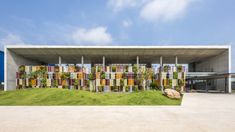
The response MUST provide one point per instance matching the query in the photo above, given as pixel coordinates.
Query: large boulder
(171, 93)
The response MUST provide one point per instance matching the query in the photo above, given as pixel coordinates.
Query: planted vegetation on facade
(116, 78)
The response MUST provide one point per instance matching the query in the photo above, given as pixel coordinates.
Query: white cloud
(118, 5)
(154, 10)
(164, 10)
(11, 39)
(126, 23)
(97, 35)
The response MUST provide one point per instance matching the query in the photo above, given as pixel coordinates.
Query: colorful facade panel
(120, 76)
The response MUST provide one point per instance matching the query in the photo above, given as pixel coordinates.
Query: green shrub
(93, 70)
(115, 88)
(135, 68)
(75, 82)
(91, 76)
(22, 68)
(175, 75)
(180, 82)
(179, 68)
(166, 68)
(98, 69)
(100, 88)
(170, 82)
(124, 76)
(43, 82)
(126, 68)
(177, 88)
(113, 68)
(122, 82)
(127, 88)
(22, 76)
(66, 87)
(154, 85)
(102, 75)
(56, 83)
(65, 75)
(136, 88)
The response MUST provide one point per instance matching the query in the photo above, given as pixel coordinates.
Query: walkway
(199, 112)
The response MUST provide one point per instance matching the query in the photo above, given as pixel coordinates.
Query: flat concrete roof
(117, 54)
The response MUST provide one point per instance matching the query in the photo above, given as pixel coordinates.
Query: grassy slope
(54, 96)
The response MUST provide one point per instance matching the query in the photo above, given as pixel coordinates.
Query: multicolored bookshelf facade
(118, 68)
(119, 78)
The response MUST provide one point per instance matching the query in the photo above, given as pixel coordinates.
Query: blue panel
(51, 64)
(1, 66)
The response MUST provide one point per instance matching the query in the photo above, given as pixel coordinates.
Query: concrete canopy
(118, 54)
(200, 58)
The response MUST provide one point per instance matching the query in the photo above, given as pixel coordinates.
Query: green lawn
(55, 96)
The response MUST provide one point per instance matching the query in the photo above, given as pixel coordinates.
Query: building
(203, 62)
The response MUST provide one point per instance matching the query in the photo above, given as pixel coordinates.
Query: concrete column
(226, 85)
(191, 85)
(82, 61)
(59, 60)
(103, 61)
(137, 63)
(206, 85)
(82, 80)
(161, 64)
(229, 80)
(229, 69)
(176, 60)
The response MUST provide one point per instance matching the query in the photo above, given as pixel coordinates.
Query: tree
(32, 74)
(56, 83)
(102, 75)
(149, 75)
(91, 76)
(135, 69)
(143, 78)
(41, 75)
(75, 83)
(91, 80)
(65, 75)
(122, 84)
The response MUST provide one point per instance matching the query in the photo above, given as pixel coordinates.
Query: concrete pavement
(199, 112)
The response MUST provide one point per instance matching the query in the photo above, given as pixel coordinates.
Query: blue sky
(118, 22)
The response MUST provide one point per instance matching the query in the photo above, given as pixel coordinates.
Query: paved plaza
(198, 112)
